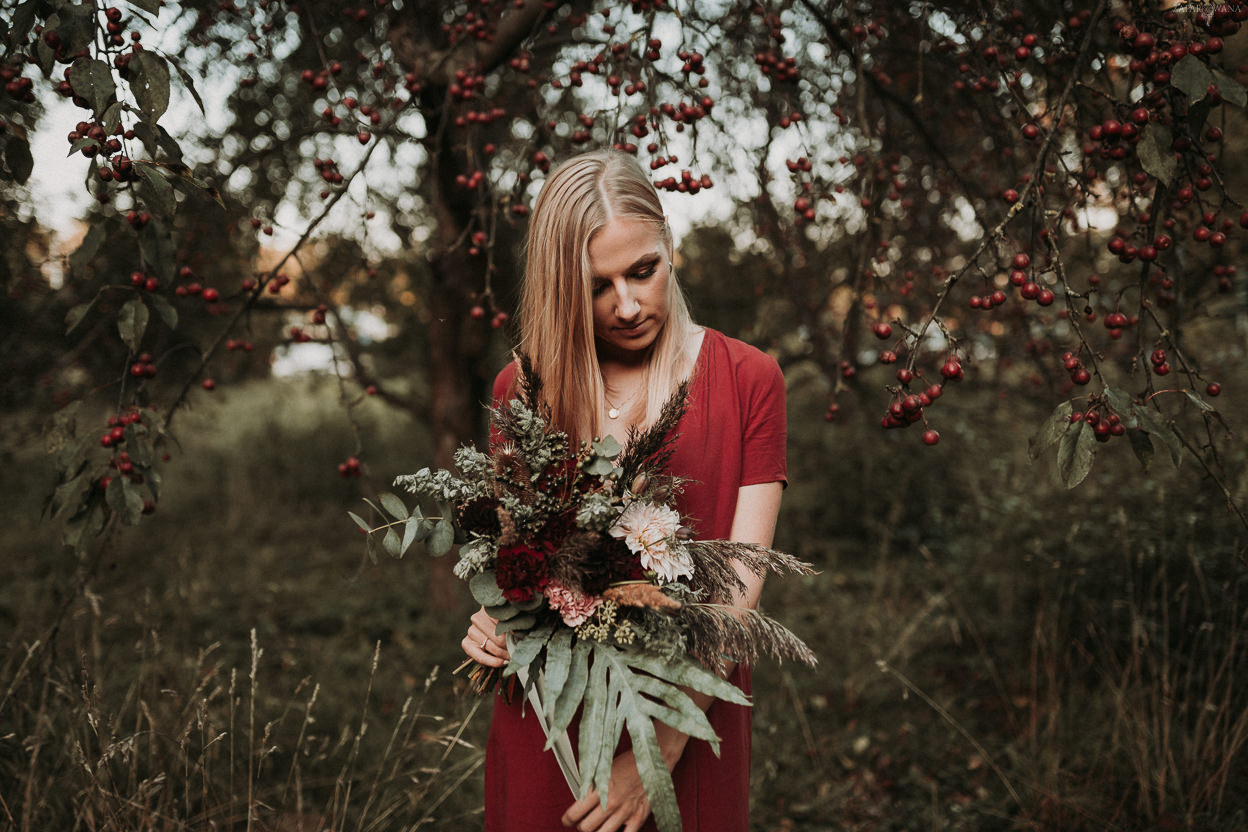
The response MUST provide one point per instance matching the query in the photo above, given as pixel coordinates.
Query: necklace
(613, 411)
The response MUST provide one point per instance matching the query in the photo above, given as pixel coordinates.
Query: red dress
(732, 434)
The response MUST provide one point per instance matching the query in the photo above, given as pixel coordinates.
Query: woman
(608, 330)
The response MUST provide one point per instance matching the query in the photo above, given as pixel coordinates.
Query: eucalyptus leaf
(394, 505)
(442, 538)
(17, 157)
(132, 322)
(484, 588)
(1074, 454)
(1156, 153)
(523, 621)
(1053, 427)
(1192, 77)
(92, 79)
(414, 530)
(360, 521)
(608, 446)
(391, 542)
(600, 467)
(149, 81)
(1143, 447)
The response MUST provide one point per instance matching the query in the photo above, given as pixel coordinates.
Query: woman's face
(629, 263)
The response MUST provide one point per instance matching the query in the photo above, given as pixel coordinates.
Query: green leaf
(689, 673)
(1192, 77)
(111, 119)
(391, 542)
(1232, 91)
(61, 427)
(593, 730)
(558, 666)
(1074, 454)
(395, 506)
(153, 482)
(484, 588)
(1198, 401)
(608, 446)
(89, 247)
(76, 27)
(442, 538)
(23, 19)
(1157, 154)
(600, 467)
(91, 79)
(132, 322)
(149, 81)
(565, 706)
(360, 521)
(69, 493)
(1143, 447)
(1121, 404)
(1151, 423)
(1197, 115)
(17, 157)
(414, 530)
(75, 315)
(79, 144)
(187, 82)
(654, 774)
(149, 6)
(125, 500)
(520, 622)
(523, 652)
(165, 309)
(158, 191)
(1053, 427)
(139, 446)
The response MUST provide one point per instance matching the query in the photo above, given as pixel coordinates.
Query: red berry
(208, 384)
(882, 330)
(1081, 376)
(1010, 195)
(930, 437)
(1021, 261)
(1214, 388)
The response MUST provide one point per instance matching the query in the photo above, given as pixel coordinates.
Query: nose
(626, 304)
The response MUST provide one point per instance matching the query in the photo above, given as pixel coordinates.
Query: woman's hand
(627, 805)
(482, 643)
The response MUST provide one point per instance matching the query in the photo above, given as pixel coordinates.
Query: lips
(633, 331)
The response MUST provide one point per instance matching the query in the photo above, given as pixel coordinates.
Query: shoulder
(750, 365)
(504, 379)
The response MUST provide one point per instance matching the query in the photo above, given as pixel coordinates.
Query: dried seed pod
(641, 594)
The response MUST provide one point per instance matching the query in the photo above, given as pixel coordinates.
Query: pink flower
(573, 607)
(647, 530)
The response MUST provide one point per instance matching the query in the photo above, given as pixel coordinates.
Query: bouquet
(609, 605)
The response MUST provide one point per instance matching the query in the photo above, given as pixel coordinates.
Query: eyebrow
(640, 261)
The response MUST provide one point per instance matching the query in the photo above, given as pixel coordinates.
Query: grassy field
(995, 652)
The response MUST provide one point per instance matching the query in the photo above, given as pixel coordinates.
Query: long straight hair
(556, 301)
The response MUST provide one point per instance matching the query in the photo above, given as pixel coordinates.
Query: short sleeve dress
(732, 434)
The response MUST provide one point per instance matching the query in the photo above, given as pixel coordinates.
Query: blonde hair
(556, 303)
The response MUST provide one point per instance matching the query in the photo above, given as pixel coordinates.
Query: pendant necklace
(613, 411)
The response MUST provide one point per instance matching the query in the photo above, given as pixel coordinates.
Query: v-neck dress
(733, 434)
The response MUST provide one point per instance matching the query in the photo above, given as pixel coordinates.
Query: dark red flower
(521, 572)
(478, 515)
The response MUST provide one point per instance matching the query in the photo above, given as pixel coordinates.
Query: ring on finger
(484, 641)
